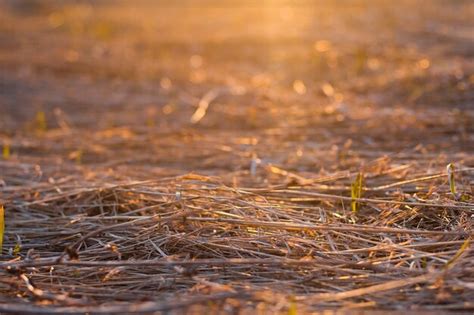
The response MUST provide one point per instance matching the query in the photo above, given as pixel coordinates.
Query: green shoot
(452, 184)
(424, 262)
(458, 254)
(356, 192)
(292, 309)
(41, 124)
(79, 157)
(16, 249)
(6, 152)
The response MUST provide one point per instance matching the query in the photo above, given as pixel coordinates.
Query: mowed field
(236, 157)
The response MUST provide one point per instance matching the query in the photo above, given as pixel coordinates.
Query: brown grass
(211, 171)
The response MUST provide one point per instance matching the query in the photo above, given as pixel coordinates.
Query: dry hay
(197, 239)
(143, 185)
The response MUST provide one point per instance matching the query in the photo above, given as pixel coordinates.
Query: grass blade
(452, 184)
(356, 192)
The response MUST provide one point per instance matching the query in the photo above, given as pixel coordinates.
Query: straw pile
(308, 176)
(174, 242)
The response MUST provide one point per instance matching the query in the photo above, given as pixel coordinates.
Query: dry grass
(136, 184)
(195, 236)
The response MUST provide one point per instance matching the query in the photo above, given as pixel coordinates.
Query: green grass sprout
(452, 184)
(292, 309)
(458, 254)
(41, 124)
(6, 151)
(356, 192)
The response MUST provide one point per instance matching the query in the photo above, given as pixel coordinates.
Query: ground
(236, 156)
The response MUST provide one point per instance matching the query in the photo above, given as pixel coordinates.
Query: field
(236, 157)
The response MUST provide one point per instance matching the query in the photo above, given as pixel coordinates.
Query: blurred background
(303, 79)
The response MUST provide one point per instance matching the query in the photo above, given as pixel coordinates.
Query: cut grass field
(236, 157)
